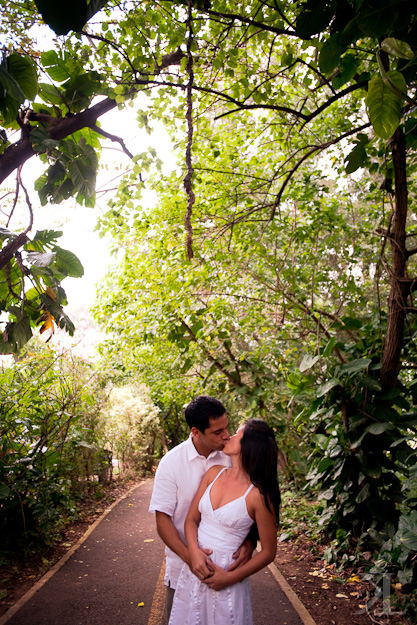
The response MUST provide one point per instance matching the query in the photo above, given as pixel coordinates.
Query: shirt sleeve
(164, 495)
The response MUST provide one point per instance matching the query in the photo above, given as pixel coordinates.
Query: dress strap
(249, 489)
(218, 475)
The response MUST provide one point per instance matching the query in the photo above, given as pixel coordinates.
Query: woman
(226, 505)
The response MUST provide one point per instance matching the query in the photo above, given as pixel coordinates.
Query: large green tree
(302, 63)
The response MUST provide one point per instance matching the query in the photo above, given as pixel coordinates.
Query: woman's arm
(267, 529)
(200, 563)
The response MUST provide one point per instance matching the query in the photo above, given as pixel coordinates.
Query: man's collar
(193, 453)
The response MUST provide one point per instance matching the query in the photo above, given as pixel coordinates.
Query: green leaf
(348, 67)
(407, 531)
(67, 263)
(363, 494)
(330, 54)
(21, 332)
(356, 158)
(325, 388)
(371, 383)
(397, 48)
(372, 467)
(51, 93)
(23, 70)
(42, 239)
(379, 428)
(5, 491)
(376, 19)
(355, 365)
(384, 106)
(42, 141)
(83, 177)
(307, 362)
(324, 464)
(11, 86)
(63, 17)
(313, 19)
(6, 348)
(56, 66)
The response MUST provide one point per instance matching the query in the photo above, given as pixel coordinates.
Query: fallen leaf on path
(149, 540)
(352, 579)
(342, 596)
(141, 604)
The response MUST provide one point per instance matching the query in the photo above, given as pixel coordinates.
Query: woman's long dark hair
(259, 457)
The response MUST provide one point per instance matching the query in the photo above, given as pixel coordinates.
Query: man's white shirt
(176, 482)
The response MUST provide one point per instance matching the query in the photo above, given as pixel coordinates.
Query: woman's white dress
(223, 530)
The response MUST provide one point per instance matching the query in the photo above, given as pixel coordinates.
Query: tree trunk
(400, 288)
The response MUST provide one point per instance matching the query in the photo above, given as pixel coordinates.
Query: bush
(50, 406)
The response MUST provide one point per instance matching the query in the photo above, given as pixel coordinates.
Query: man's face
(213, 438)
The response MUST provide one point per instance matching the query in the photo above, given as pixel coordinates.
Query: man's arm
(169, 534)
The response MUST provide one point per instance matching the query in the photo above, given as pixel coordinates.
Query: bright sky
(78, 222)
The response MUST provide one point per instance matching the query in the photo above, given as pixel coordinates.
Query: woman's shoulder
(255, 498)
(214, 471)
(212, 474)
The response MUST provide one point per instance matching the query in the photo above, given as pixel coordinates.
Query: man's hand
(242, 555)
(219, 579)
(200, 564)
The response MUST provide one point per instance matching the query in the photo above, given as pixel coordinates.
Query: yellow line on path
(157, 614)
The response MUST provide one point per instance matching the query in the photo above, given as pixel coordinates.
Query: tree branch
(208, 355)
(9, 250)
(315, 148)
(119, 140)
(251, 22)
(22, 150)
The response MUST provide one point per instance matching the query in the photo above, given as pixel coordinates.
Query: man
(177, 480)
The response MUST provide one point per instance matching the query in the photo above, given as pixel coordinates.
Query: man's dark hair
(201, 409)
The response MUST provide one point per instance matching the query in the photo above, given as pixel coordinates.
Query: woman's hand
(200, 563)
(219, 579)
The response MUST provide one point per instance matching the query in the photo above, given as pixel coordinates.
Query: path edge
(292, 597)
(47, 576)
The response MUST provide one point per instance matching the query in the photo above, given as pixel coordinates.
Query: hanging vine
(188, 178)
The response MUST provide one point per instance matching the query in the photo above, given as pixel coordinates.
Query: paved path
(115, 577)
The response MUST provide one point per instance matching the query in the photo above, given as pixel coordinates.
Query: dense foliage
(59, 434)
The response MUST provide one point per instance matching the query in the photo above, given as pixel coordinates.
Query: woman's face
(232, 446)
